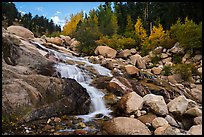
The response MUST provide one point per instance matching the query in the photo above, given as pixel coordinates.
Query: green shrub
(188, 34)
(116, 41)
(156, 59)
(185, 70)
(176, 59)
(166, 71)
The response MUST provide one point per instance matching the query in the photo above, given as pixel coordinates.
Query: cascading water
(84, 79)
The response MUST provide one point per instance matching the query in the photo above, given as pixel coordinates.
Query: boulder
(164, 55)
(21, 31)
(176, 49)
(173, 131)
(200, 70)
(124, 53)
(138, 61)
(130, 102)
(156, 70)
(159, 122)
(169, 59)
(195, 112)
(148, 118)
(56, 40)
(156, 103)
(124, 126)
(185, 57)
(178, 105)
(195, 130)
(132, 70)
(171, 121)
(66, 39)
(105, 51)
(197, 58)
(197, 94)
(158, 50)
(74, 44)
(160, 130)
(119, 87)
(197, 120)
(133, 51)
(110, 98)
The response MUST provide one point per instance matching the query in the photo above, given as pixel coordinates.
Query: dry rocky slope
(142, 99)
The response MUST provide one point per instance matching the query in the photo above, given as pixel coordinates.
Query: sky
(57, 11)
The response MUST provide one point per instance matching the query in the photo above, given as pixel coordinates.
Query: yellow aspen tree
(140, 31)
(71, 25)
(157, 35)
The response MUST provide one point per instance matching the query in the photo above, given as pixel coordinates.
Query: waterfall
(83, 78)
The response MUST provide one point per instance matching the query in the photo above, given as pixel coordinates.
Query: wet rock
(178, 105)
(21, 31)
(195, 130)
(110, 98)
(156, 103)
(105, 51)
(130, 102)
(159, 122)
(138, 61)
(125, 126)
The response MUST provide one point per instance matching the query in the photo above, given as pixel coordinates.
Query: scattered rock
(171, 121)
(198, 120)
(125, 126)
(148, 118)
(178, 105)
(159, 122)
(130, 102)
(156, 70)
(194, 112)
(156, 103)
(195, 130)
(105, 51)
(138, 61)
(132, 70)
(124, 53)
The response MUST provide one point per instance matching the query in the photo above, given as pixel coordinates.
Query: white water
(83, 78)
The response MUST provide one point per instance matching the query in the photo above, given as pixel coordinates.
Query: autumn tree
(70, 27)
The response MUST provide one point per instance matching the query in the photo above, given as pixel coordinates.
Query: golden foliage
(71, 25)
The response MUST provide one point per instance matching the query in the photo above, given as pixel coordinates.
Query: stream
(84, 78)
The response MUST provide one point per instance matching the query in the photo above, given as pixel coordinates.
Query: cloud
(22, 12)
(57, 12)
(39, 9)
(58, 21)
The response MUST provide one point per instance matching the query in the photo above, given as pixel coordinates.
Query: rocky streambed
(49, 89)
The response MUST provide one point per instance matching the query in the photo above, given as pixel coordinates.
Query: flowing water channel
(83, 77)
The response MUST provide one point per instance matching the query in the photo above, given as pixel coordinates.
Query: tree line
(39, 25)
(141, 25)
